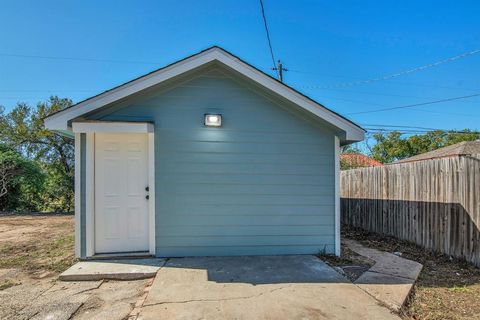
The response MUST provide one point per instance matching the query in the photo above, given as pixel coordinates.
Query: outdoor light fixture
(213, 120)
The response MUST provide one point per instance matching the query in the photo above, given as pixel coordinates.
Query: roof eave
(60, 120)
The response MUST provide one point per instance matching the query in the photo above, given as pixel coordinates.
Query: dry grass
(446, 289)
(7, 283)
(36, 242)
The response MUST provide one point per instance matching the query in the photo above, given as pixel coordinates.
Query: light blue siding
(263, 183)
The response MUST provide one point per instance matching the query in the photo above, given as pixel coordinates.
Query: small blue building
(207, 156)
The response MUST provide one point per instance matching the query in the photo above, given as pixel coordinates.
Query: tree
(350, 148)
(9, 170)
(392, 146)
(21, 181)
(23, 129)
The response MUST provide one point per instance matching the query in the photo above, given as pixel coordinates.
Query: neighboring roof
(462, 148)
(359, 160)
(60, 120)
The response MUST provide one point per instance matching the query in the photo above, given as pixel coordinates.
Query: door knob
(147, 197)
(147, 189)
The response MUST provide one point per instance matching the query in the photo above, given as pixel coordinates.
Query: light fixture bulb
(213, 120)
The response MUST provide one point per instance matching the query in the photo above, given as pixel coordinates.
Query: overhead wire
(416, 104)
(407, 131)
(401, 73)
(75, 58)
(268, 37)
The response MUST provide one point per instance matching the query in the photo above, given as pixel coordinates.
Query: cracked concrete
(59, 301)
(56, 300)
(218, 300)
(17, 298)
(113, 300)
(262, 287)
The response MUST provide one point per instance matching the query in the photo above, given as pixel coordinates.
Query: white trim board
(337, 196)
(90, 189)
(78, 186)
(60, 120)
(151, 185)
(90, 194)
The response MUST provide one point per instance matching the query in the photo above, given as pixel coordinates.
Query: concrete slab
(114, 300)
(59, 302)
(268, 287)
(397, 266)
(390, 290)
(57, 311)
(386, 262)
(19, 297)
(125, 269)
(390, 279)
(258, 269)
(93, 300)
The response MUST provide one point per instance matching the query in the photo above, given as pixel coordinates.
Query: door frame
(89, 129)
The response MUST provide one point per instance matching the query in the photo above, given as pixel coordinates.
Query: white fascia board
(60, 120)
(112, 127)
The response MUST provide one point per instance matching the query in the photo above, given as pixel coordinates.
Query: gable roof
(60, 120)
(460, 149)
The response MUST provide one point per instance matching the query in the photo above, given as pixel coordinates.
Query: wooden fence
(433, 203)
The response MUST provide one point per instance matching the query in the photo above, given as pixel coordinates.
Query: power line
(389, 94)
(284, 69)
(417, 104)
(74, 58)
(397, 126)
(156, 63)
(268, 37)
(401, 73)
(446, 113)
(48, 91)
(404, 128)
(275, 68)
(352, 77)
(412, 108)
(419, 130)
(396, 130)
(54, 92)
(396, 83)
(372, 130)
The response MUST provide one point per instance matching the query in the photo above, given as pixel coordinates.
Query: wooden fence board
(433, 203)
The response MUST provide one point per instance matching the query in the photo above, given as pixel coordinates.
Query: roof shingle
(462, 148)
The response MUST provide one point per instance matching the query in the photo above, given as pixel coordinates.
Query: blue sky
(324, 43)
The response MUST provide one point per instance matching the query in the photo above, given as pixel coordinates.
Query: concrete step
(119, 269)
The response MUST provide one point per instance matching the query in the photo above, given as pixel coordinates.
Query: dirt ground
(446, 288)
(37, 243)
(34, 250)
(349, 264)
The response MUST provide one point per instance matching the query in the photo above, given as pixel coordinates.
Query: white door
(121, 204)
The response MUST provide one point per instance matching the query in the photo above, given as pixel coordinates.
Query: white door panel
(121, 209)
